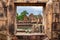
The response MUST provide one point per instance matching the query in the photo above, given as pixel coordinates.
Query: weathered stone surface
(2, 15)
(48, 18)
(2, 34)
(55, 0)
(21, 1)
(56, 7)
(7, 15)
(11, 15)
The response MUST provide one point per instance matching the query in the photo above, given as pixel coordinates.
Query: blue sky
(30, 9)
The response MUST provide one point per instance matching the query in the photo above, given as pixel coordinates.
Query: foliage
(21, 16)
(24, 13)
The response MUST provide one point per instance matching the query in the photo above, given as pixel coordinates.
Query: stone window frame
(29, 4)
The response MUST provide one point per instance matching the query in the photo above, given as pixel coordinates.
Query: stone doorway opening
(28, 23)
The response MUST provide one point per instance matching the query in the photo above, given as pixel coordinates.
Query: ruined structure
(7, 19)
(51, 17)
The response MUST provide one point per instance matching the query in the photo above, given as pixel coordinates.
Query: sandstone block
(55, 0)
(56, 7)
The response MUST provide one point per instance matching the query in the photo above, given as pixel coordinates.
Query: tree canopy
(21, 16)
(24, 13)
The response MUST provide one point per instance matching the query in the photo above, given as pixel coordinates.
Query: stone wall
(7, 15)
(48, 18)
(56, 19)
(52, 13)
(11, 15)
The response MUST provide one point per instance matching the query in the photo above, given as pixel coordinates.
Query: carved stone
(55, 0)
(56, 7)
(7, 15)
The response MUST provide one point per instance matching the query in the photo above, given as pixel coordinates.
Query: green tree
(24, 13)
(21, 16)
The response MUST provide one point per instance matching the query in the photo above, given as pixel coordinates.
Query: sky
(30, 9)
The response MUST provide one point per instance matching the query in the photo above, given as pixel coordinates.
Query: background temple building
(51, 17)
(29, 22)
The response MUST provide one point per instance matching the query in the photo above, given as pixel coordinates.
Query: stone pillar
(48, 16)
(56, 18)
(11, 16)
(52, 8)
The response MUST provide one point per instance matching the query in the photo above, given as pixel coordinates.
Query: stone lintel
(56, 0)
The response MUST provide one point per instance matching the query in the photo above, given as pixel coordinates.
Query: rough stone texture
(55, 7)
(55, 0)
(56, 19)
(48, 18)
(11, 15)
(3, 35)
(52, 17)
(2, 15)
(31, 1)
(7, 16)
